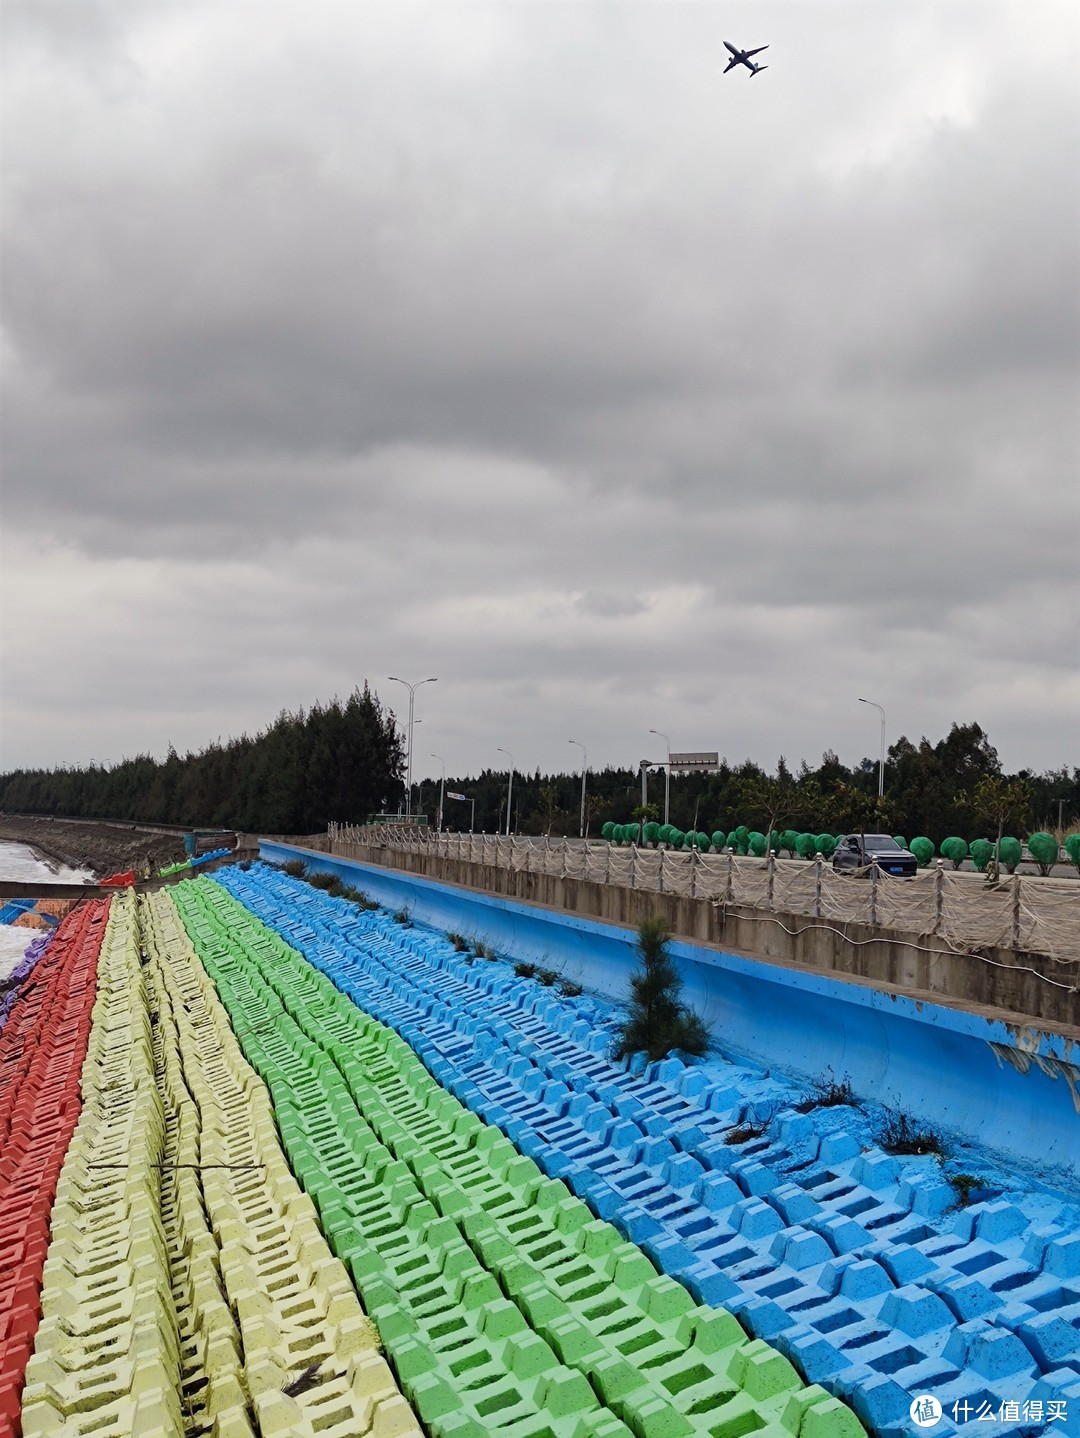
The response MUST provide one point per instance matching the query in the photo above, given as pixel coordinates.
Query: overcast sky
(516, 345)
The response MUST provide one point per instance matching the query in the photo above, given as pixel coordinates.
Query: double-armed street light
(881, 764)
(584, 772)
(510, 785)
(667, 772)
(412, 688)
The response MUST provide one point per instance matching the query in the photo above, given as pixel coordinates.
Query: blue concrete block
(836, 1147)
(753, 1177)
(876, 1171)
(755, 1219)
(819, 1359)
(623, 1136)
(718, 1155)
(799, 1248)
(903, 1263)
(652, 1151)
(707, 1284)
(669, 1252)
(915, 1311)
(1062, 1256)
(638, 1224)
(723, 1098)
(843, 1235)
(692, 1083)
(765, 1318)
(1062, 1388)
(993, 1353)
(717, 1192)
(1000, 1220)
(794, 1203)
(967, 1297)
(925, 1195)
(1051, 1339)
(883, 1405)
(682, 1172)
(862, 1280)
(669, 1070)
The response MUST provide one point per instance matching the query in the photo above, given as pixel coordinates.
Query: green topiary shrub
(982, 851)
(1044, 849)
(955, 850)
(826, 844)
(788, 841)
(678, 838)
(1072, 848)
(1011, 851)
(758, 844)
(923, 849)
(657, 1022)
(702, 842)
(652, 832)
(719, 839)
(805, 845)
(607, 830)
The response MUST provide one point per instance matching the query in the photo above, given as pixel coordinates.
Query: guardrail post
(771, 865)
(607, 866)
(1015, 938)
(633, 866)
(585, 862)
(729, 887)
(817, 884)
(693, 873)
(661, 871)
(874, 874)
(562, 862)
(939, 895)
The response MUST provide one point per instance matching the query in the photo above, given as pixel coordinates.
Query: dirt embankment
(104, 848)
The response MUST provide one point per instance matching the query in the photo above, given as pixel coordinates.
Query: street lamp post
(667, 773)
(584, 771)
(412, 688)
(510, 785)
(442, 788)
(881, 765)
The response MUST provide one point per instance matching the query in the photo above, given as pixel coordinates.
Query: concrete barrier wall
(1023, 987)
(1014, 1088)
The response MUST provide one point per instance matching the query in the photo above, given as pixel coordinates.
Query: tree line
(292, 778)
(954, 787)
(345, 762)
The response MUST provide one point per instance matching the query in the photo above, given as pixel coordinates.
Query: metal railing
(964, 911)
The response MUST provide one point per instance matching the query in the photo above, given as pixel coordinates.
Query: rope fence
(963, 911)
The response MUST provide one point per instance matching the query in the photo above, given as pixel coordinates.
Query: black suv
(859, 851)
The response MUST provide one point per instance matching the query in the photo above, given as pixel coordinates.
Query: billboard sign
(699, 762)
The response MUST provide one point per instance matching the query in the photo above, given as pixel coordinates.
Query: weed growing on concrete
(827, 1093)
(750, 1126)
(323, 880)
(901, 1134)
(569, 989)
(525, 971)
(546, 977)
(964, 1183)
(459, 942)
(295, 868)
(403, 917)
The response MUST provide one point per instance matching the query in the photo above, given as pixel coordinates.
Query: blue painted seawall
(1012, 1089)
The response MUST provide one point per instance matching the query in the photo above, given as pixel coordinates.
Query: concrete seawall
(1010, 1085)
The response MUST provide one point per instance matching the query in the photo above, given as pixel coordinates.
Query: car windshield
(881, 841)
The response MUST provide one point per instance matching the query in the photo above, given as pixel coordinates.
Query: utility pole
(510, 785)
(412, 688)
(584, 771)
(881, 765)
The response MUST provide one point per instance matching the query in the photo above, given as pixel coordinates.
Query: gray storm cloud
(512, 344)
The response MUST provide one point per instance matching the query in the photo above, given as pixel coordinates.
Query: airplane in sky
(742, 57)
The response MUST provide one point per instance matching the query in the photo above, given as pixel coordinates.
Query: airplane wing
(758, 50)
(731, 47)
(730, 65)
